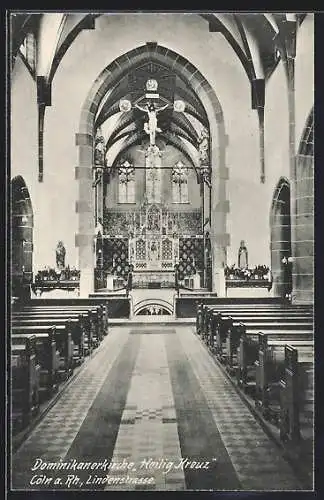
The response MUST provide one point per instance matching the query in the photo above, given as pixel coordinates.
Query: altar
(153, 244)
(151, 239)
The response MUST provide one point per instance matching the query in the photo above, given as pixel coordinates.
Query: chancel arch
(21, 237)
(214, 171)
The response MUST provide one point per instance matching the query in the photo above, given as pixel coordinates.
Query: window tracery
(179, 176)
(126, 182)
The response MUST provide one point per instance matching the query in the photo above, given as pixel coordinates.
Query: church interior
(162, 251)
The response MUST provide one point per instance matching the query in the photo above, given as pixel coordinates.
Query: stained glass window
(179, 175)
(126, 183)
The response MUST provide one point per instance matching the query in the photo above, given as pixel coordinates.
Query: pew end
(25, 377)
(297, 395)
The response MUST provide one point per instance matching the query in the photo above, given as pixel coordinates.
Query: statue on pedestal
(242, 256)
(60, 255)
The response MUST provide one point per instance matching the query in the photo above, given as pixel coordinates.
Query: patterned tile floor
(151, 410)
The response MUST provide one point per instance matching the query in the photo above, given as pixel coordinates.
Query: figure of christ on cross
(151, 126)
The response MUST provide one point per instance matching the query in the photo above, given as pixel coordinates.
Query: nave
(151, 394)
(161, 177)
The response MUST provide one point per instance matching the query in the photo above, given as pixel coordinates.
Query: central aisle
(150, 411)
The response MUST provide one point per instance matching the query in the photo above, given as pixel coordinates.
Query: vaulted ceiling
(257, 39)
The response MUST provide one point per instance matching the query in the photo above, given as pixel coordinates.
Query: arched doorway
(21, 239)
(280, 223)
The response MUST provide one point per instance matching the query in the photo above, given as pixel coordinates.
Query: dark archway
(21, 239)
(280, 224)
(153, 307)
(153, 310)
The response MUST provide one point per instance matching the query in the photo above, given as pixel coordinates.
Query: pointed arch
(22, 223)
(104, 83)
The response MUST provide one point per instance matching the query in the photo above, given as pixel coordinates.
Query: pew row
(47, 357)
(257, 352)
(63, 342)
(97, 318)
(88, 327)
(186, 306)
(25, 382)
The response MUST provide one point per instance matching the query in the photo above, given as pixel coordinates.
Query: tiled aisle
(148, 429)
(149, 396)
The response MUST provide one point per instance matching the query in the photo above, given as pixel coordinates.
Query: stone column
(289, 36)
(100, 197)
(84, 239)
(303, 248)
(220, 239)
(205, 199)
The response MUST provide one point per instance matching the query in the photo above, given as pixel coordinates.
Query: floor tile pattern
(148, 430)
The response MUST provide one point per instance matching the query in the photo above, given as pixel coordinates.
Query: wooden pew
(270, 367)
(95, 314)
(186, 304)
(115, 306)
(249, 351)
(296, 393)
(46, 356)
(63, 342)
(204, 312)
(96, 321)
(225, 338)
(71, 324)
(252, 328)
(77, 323)
(24, 382)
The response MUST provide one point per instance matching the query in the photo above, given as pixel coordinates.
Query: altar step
(156, 320)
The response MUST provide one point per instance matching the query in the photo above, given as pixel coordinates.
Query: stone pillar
(220, 239)
(303, 277)
(84, 239)
(258, 101)
(292, 155)
(100, 197)
(44, 98)
(288, 39)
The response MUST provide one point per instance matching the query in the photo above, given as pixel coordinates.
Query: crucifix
(152, 103)
(151, 98)
(151, 126)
